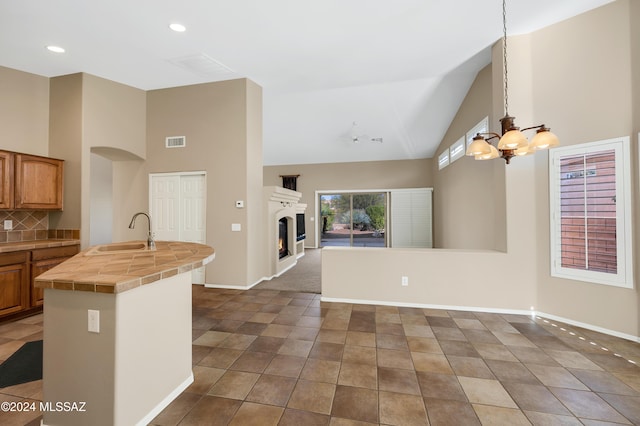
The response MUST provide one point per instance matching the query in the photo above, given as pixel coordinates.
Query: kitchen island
(117, 332)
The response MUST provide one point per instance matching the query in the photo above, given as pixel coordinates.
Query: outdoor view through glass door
(353, 219)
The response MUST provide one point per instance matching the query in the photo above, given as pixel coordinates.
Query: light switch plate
(8, 225)
(236, 227)
(240, 204)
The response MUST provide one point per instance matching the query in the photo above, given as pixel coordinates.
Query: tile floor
(263, 357)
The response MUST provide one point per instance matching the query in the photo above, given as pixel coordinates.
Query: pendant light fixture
(512, 142)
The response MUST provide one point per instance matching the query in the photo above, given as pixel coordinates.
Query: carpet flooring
(304, 277)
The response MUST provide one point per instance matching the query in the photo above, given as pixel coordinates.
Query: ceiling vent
(206, 66)
(176, 142)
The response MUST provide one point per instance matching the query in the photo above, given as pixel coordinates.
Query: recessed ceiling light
(55, 49)
(179, 28)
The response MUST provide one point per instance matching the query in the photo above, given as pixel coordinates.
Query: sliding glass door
(353, 219)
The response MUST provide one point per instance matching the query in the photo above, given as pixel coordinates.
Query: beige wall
(24, 112)
(114, 126)
(583, 88)
(88, 114)
(468, 209)
(439, 278)
(477, 279)
(349, 176)
(220, 122)
(256, 235)
(223, 124)
(65, 142)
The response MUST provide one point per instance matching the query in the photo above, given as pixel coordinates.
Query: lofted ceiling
(398, 69)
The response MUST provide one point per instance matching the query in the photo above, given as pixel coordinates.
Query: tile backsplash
(30, 226)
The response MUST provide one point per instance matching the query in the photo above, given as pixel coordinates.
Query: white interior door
(178, 209)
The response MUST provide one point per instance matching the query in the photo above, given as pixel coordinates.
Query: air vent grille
(176, 142)
(205, 66)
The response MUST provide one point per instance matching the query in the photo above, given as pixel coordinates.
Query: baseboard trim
(249, 286)
(590, 327)
(430, 306)
(231, 287)
(166, 401)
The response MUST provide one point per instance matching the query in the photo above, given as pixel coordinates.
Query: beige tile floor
(269, 357)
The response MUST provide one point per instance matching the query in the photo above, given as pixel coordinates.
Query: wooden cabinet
(44, 259)
(18, 271)
(38, 182)
(14, 283)
(6, 180)
(30, 182)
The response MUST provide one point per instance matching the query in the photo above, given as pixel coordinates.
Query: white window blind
(590, 216)
(443, 160)
(411, 217)
(456, 150)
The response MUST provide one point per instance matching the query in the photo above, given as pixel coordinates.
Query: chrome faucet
(151, 245)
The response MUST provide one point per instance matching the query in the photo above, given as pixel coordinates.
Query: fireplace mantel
(282, 195)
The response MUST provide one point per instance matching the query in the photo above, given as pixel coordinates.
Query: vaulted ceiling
(398, 69)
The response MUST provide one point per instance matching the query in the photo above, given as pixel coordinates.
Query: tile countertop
(118, 271)
(36, 244)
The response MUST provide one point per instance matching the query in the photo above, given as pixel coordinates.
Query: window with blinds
(590, 217)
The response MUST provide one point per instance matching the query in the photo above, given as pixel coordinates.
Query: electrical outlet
(93, 321)
(405, 281)
(8, 225)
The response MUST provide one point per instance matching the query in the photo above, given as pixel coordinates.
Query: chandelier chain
(504, 57)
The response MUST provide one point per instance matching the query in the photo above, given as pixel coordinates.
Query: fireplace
(283, 243)
(283, 238)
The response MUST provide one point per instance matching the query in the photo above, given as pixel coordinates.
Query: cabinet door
(6, 180)
(38, 182)
(37, 268)
(13, 289)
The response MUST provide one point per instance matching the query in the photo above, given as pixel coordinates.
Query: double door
(178, 209)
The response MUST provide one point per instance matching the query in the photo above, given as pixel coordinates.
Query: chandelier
(512, 142)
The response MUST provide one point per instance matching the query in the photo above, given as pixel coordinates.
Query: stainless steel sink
(118, 248)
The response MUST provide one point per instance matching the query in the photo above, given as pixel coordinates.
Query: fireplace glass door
(283, 238)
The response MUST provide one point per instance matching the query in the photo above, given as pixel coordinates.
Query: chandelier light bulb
(493, 154)
(544, 139)
(479, 146)
(513, 139)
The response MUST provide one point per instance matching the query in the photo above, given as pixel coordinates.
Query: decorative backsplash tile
(64, 234)
(30, 226)
(26, 220)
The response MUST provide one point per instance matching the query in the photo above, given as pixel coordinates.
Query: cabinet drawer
(53, 252)
(14, 258)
